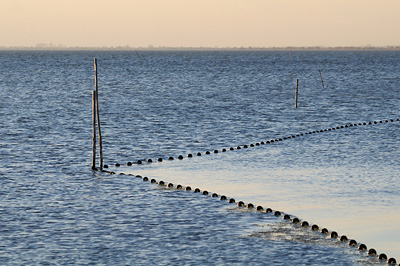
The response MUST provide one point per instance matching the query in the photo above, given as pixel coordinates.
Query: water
(54, 210)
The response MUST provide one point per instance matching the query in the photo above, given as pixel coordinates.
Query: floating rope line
(190, 155)
(294, 220)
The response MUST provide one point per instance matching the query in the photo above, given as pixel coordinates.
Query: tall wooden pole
(297, 89)
(94, 130)
(98, 116)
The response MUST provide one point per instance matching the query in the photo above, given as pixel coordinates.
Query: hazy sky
(195, 23)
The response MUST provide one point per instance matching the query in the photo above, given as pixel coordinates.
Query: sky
(195, 23)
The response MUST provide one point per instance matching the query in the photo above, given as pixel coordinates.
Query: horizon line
(151, 47)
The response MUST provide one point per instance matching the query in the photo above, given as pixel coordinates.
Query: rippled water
(54, 210)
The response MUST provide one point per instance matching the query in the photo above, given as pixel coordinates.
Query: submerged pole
(297, 89)
(94, 130)
(98, 115)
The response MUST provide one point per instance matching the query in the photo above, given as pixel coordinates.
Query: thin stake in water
(98, 115)
(322, 80)
(94, 130)
(297, 89)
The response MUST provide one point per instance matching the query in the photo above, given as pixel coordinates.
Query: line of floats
(241, 204)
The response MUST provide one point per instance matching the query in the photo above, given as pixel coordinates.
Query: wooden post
(98, 116)
(297, 89)
(140, 58)
(322, 81)
(94, 130)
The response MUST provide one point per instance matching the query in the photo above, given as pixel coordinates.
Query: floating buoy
(196, 190)
(129, 164)
(223, 150)
(117, 165)
(198, 154)
(153, 181)
(145, 178)
(121, 173)
(324, 231)
(304, 224)
(188, 188)
(238, 147)
(262, 143)
(268, 210)
(382, 256)
(139, 162)
(160, 159)
(251, 145)
(105, 166)
(353, 243)
(223, 197)
(257, 144)
(260, 208)
(149, 160)
(171, 158)
(161, 183)
(391, 261)
(214, 195)
(245, 146)
(180, 157)
(231, 148)
(240, 204)
(179, 186)
(334, 234)
(138, 176)
(314, 227)
(231, 200)
(286, 217)
(372, 252)
(190, 155)
(295, 220)
(362, 247)
(250, 206)
(170, 185)
(277, 213)
(215, 151)
(207, 152)
(205, 192)
(343, 238)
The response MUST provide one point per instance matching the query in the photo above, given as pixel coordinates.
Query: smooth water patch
(293, 176)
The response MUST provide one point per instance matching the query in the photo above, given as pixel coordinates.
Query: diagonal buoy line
(287, 217)
(239, 147)
(382, 257)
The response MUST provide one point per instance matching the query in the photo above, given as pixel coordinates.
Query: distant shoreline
(125, 48)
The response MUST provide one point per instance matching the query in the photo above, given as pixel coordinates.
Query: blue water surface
(155, 104)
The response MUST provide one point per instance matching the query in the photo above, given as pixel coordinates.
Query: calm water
(156, 104)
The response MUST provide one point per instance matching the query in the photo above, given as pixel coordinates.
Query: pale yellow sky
(195, 23)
